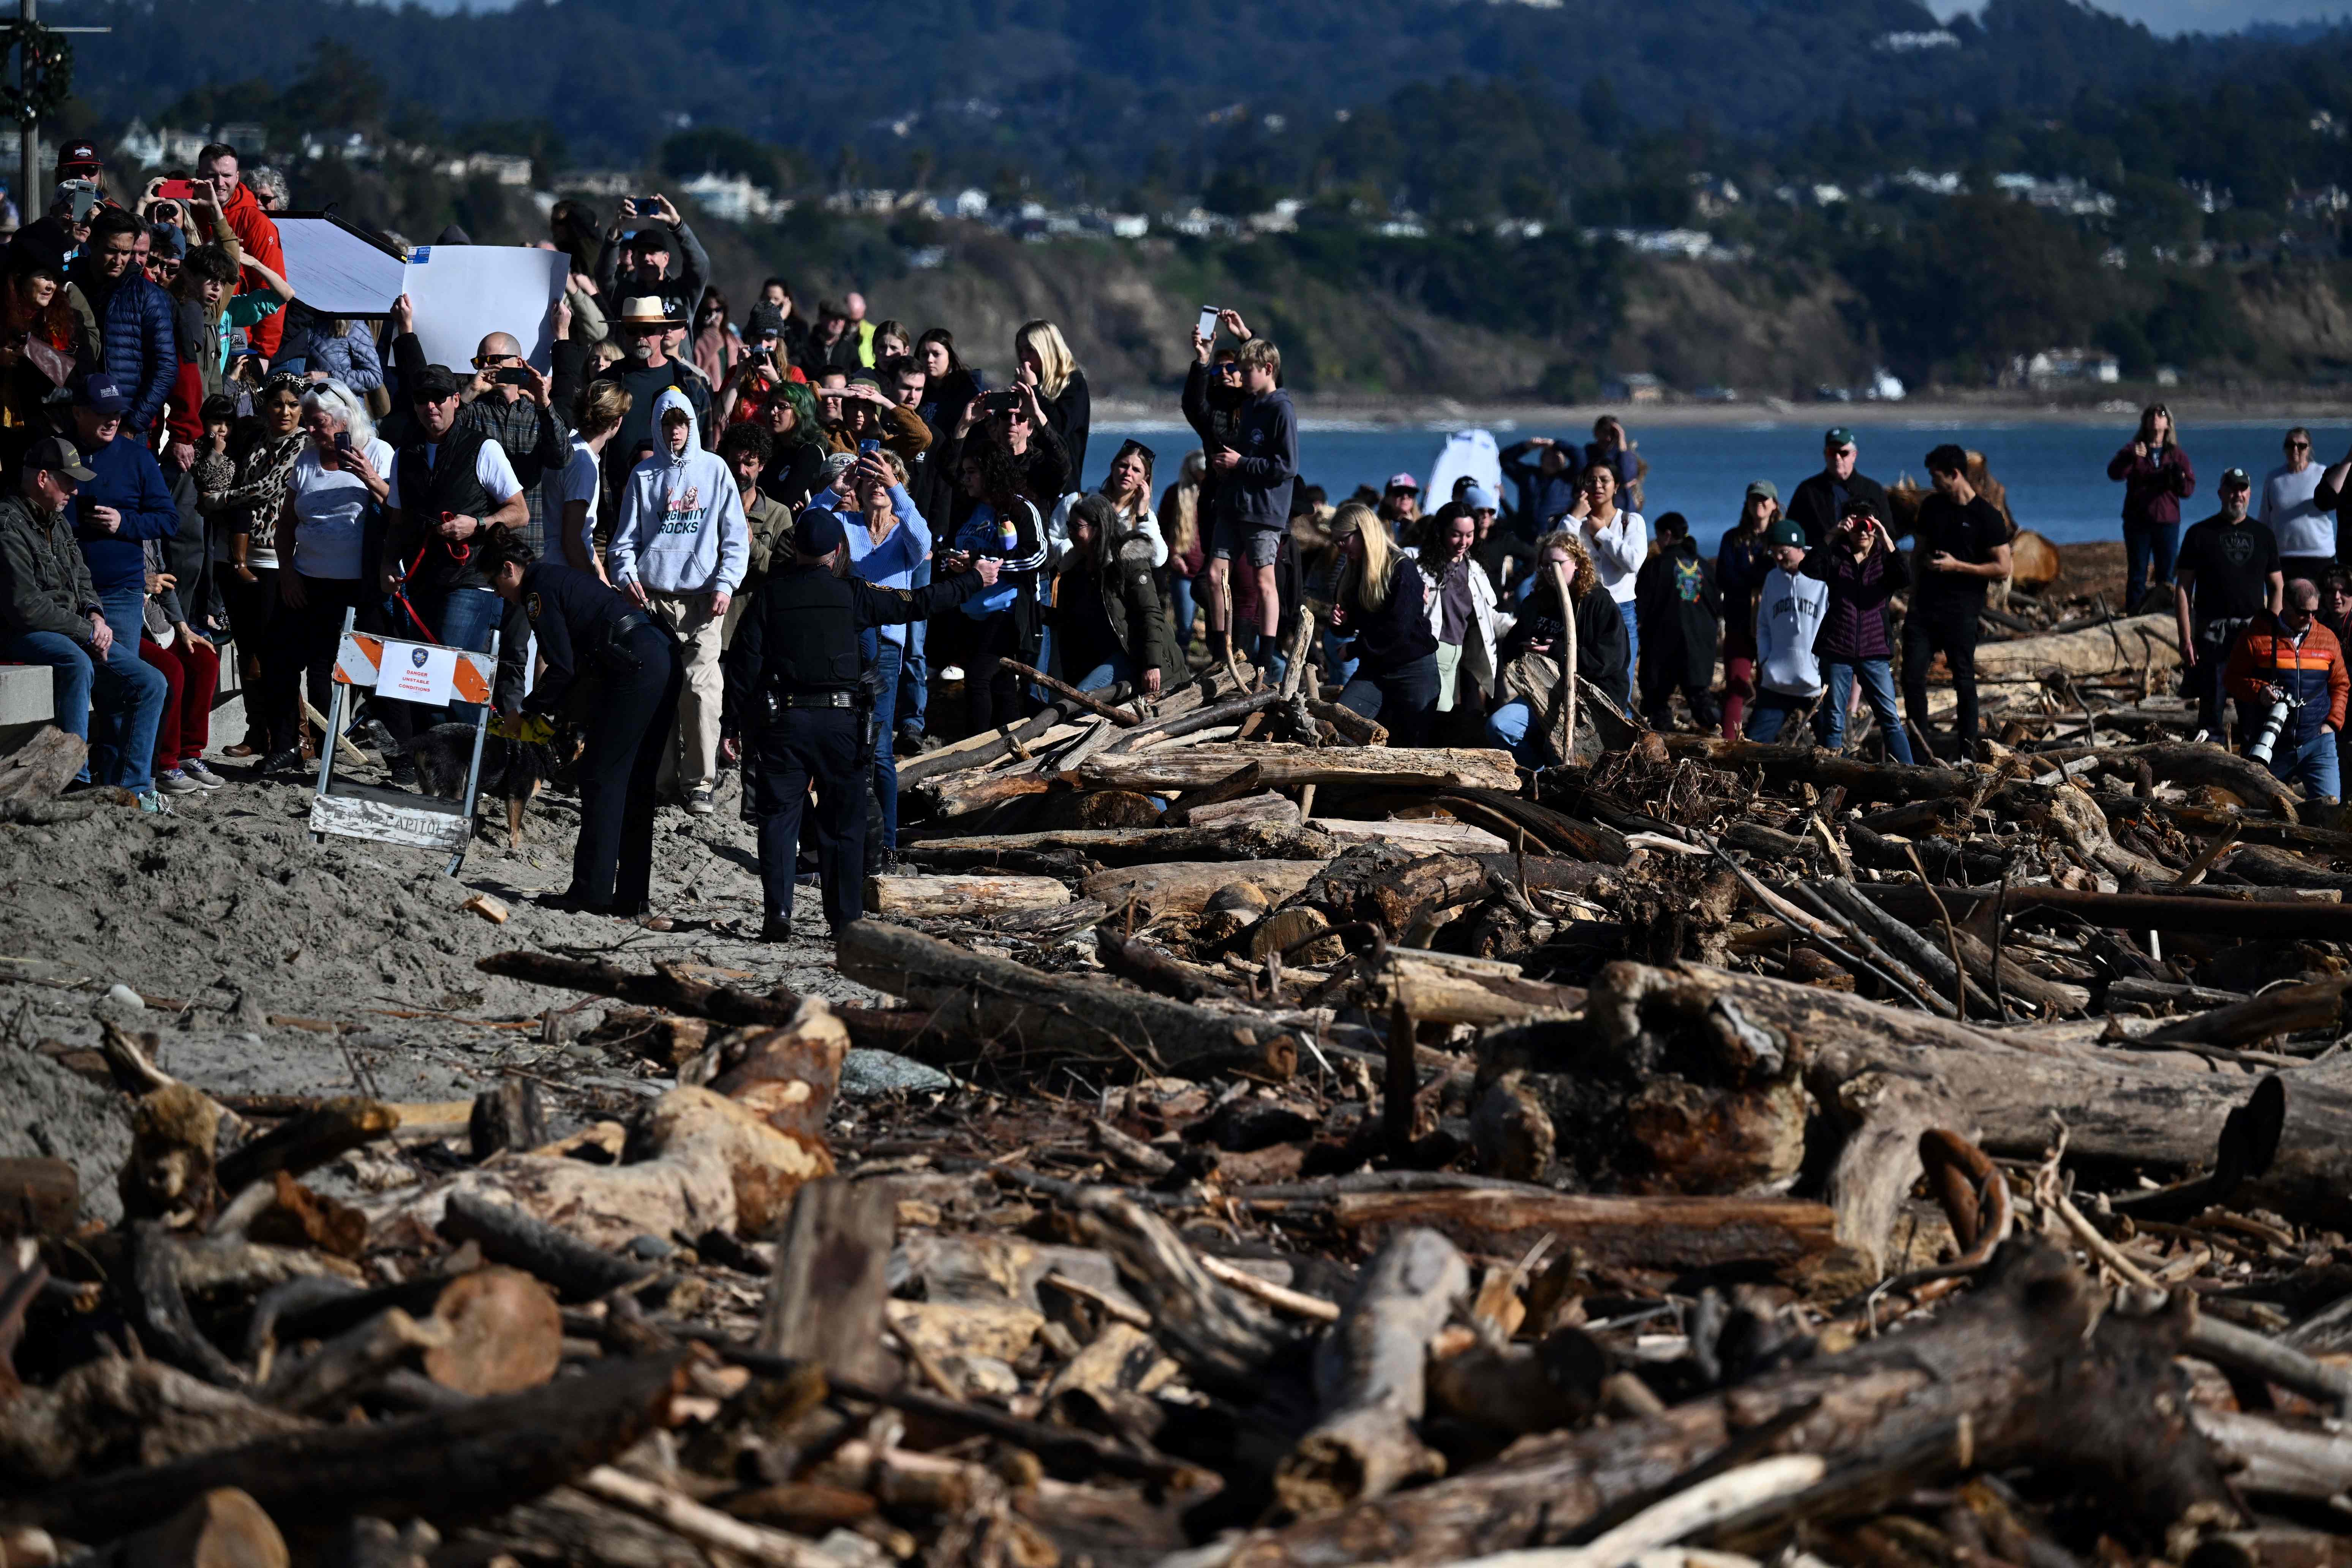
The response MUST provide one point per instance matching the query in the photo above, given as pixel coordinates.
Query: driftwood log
(1134, 846)
(991, 1009)
(2031, 1369)
(961, 897)
(456, 1465)
(1369, 1373)
(1286, 766)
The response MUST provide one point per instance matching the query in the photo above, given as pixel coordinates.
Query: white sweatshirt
(681, 528)
(1618, 551)
(1789, 615)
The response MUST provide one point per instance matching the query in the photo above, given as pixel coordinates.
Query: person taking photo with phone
(1857, 564)
(1959, 545)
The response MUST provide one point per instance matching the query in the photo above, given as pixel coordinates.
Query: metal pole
(31, 202)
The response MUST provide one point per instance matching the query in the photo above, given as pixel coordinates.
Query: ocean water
(2056, 473)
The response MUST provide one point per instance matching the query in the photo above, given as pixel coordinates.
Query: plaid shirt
(534, 442)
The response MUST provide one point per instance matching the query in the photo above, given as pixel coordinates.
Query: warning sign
(418, 672)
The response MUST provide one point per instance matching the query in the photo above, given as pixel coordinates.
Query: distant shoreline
(1340, 411)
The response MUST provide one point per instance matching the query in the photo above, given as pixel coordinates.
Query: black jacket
(1814, 509)
(801, 632)
(1395, 634)
(1603, 650)
(573, 613)
(1675, 596)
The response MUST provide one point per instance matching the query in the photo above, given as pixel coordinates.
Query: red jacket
(259, 237)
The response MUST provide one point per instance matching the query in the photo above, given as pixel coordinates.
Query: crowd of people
(806, 544)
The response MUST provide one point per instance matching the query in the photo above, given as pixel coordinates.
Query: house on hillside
(2065, 367)
(1633, 386)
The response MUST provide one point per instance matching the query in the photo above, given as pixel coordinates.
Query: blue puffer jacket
(141, 349)
(350, 357)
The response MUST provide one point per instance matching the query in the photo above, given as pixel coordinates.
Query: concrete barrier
(28, 702)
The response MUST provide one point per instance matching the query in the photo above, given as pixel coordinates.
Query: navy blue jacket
(141, 349)
(1256, 492)
(1542, 502)
(132, 482)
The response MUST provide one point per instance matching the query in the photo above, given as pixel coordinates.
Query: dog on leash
(443, 754)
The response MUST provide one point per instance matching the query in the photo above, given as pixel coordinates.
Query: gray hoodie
(681, 528)
(1789, 615)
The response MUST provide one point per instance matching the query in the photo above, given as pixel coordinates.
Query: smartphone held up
(1208, 327)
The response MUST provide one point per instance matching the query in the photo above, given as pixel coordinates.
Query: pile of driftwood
(1703, 1153)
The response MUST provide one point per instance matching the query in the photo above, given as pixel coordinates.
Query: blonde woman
(1381, 611)
(1188, 555)
(1049, 369)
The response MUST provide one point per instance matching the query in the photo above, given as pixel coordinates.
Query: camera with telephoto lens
(2273, 726)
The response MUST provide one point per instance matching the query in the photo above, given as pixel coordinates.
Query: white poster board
(337, 271)
(465, 292)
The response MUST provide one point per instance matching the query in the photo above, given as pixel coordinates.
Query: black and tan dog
(443, 752)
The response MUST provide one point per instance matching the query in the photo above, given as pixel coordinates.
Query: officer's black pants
(819, 745)
(631, 719)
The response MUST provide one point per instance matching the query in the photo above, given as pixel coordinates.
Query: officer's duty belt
(816, 699)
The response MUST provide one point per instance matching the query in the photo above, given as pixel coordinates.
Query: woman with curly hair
(1529, 652)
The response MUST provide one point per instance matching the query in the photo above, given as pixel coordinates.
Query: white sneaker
(172, 781)
(702, 803)
(201, 775)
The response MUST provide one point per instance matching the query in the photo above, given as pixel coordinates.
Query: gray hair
(336, 401)
(269, 182)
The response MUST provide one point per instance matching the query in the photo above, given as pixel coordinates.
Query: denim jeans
(1110, 673)
(914, 695)
(120, 752)
(1878, 686)
(1633, 650)
(1511, 727)
(2149, 551)
(123, 688)
(2313, 765)
(1771, 713)
(1180, 604)
(889, 660)
(1404, 700)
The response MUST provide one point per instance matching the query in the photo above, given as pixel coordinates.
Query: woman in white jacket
(1461, 609)
(1618, 541)
(679, 551)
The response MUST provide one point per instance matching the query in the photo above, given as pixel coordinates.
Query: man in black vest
(794, 688)
(448, 488)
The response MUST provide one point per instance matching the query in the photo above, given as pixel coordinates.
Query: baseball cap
(818, 532)
(2236, 477)
(99, 391)
(80, 155)
(59, 457)
(1785, 532)
(1478, 498)
(646, 239)
(1764, 488)
(1837, 436)
(1404, 482)
(434, 381)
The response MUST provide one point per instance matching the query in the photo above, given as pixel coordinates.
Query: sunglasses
(2298, 446)
(1146, 453)
(431, 397)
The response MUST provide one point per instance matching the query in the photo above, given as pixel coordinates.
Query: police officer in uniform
(794, 679)
(610, 663)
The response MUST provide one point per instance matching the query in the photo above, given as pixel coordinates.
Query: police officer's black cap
(818, 532)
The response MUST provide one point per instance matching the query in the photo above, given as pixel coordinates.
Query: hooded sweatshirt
(682, 529)
(1789, 615)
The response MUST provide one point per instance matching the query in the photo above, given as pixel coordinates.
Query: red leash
(459, 551)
